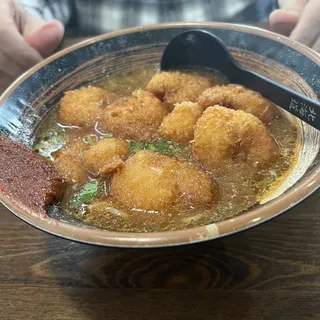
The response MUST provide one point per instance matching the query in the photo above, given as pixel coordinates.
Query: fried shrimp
(106, 156)
(154, 182)
(69, 163)
(138, 117)
(223, 136)
(237, 97)
(178, 125)
(194, 186)
(176, 87)
(83, 107)
(146, 182)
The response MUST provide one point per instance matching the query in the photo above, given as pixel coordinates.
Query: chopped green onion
(137, 146)
(89, 140)
(152, 147)
(267, 182)
(161, 146)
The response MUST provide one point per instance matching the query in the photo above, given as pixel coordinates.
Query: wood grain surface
(269, 272)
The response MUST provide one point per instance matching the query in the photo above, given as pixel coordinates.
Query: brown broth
(240, 187)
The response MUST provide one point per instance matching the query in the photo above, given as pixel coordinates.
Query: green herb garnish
(137, 146)
(89, 191)
(161, 146)
(52, 142)
(89, 140)
(267, 182)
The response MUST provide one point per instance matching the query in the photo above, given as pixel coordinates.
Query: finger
(15, 46)
(43, 36)
(283, 22)
(285, 19)
(308, 27)
(47, 38)
(29, 23)
(16, 55)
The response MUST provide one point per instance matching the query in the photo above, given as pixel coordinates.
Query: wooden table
(270, 272)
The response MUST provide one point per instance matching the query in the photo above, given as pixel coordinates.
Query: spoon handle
(295, 103)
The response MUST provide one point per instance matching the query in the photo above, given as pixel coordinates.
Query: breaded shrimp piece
(106, 156)
(146, 182)
(176, 87)
(195, 187)
(69, 163)
(178, 125)
(237, 97)
(137, 118)
(154, 182)
(82, 107)
(223, 136)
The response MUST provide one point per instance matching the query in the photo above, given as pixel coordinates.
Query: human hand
(299, 19)
(25, 40)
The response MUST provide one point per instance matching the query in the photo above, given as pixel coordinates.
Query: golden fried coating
(69, 163)
(83, 107)
(137, 118)
(223, 136)
(176, 87)
(109, 97)
(237, 97)
(146, 182)
(178, 125)
(154, 182)
(195, 187)
(106, 156)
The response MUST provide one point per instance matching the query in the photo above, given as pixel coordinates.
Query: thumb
(43, 36)
(285, 19)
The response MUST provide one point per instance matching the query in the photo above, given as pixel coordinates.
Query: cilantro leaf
(89, 191)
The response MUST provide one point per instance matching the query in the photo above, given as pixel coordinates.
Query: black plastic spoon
(198, 48)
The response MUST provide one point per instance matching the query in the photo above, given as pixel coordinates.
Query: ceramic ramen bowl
(24, 106)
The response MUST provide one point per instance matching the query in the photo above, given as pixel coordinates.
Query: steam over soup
(153, 151)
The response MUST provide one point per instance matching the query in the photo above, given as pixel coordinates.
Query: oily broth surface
(236, 192)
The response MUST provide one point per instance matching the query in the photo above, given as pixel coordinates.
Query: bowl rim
(223, 228)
